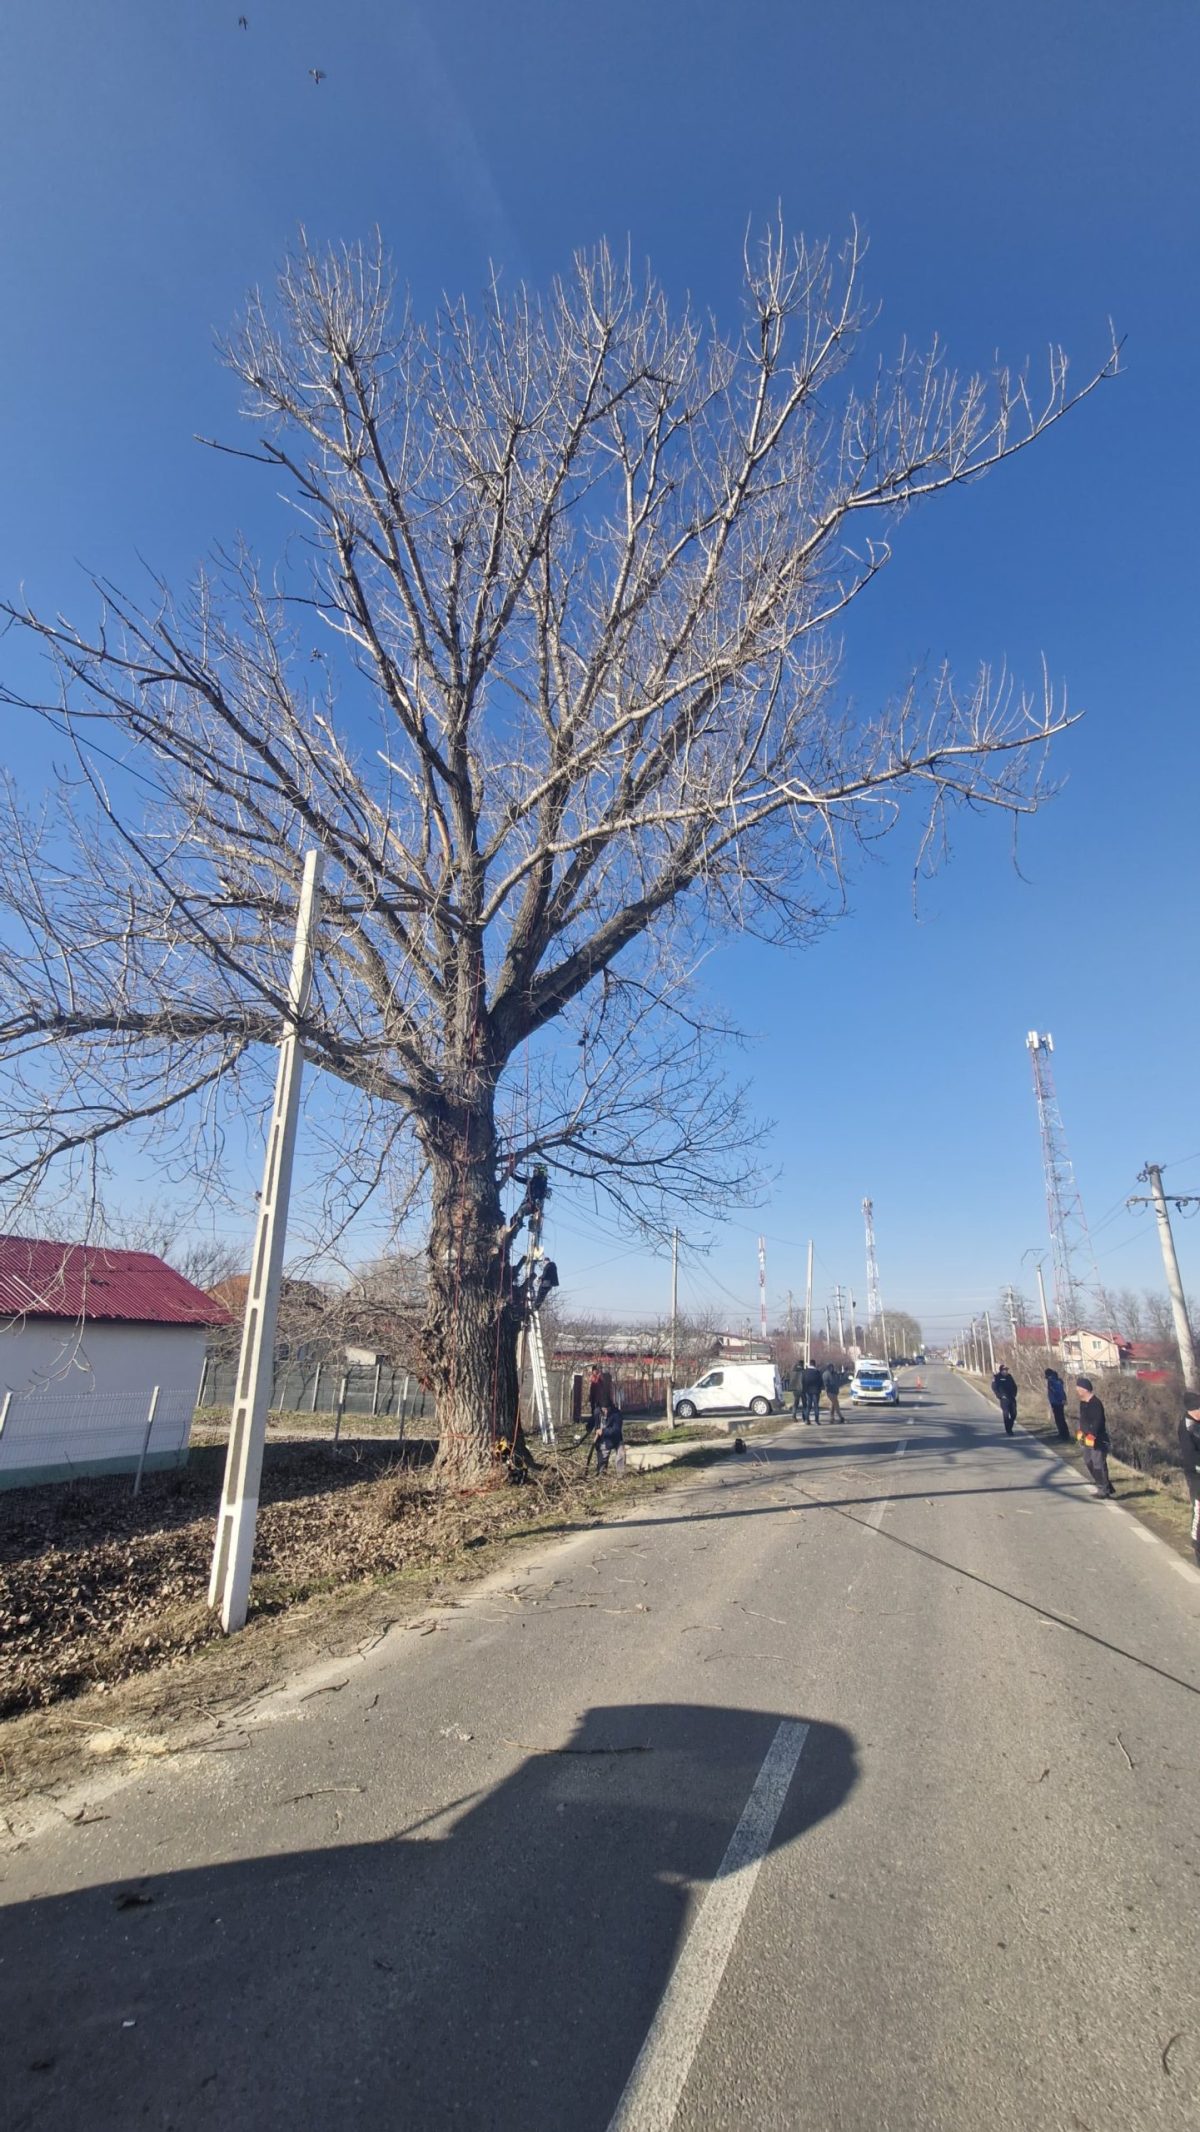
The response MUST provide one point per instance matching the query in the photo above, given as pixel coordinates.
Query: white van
(731, 1388)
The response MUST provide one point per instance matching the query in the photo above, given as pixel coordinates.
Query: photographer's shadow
(498, 1967)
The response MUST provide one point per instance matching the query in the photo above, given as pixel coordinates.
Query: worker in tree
(1092, 1433)
(1189, 1456)
(541, 1282)
(1004, 1385)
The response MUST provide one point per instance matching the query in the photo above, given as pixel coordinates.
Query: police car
(873, 1385)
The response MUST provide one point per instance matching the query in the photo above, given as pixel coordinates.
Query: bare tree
(902, 1331)
(556, 693)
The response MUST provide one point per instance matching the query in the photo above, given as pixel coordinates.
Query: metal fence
(378, 1389)
(48, 1435)
(383, 1391)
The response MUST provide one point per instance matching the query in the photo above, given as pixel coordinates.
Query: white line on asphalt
(657, 2081)
(876, 1517)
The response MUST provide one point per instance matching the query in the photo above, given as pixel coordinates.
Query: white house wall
(78, 1398)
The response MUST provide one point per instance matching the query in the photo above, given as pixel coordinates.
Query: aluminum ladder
(541, 1380)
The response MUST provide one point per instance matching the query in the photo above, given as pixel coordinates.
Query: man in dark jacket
(811, 1392)
(1092, 1433)
(1056, 1400)
(1189, 1459)
(796, 1381)
(1004, 1385)
(831, 1378)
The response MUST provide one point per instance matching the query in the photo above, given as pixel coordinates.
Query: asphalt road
(853, 1787)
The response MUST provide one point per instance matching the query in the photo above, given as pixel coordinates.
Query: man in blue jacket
(1056, 1400)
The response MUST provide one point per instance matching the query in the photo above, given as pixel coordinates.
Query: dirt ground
(108, 1649)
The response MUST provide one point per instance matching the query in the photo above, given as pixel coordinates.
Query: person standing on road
(1092, 1433)
(1056, 1400)
(831, 1378)
(1004, 1385)
(812, 1392)
(1189, 1458)
(796, 1381)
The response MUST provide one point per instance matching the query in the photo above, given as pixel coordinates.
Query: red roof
(43, 1280)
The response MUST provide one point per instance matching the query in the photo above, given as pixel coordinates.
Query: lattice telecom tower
(874, 1298)
(1069, 1238)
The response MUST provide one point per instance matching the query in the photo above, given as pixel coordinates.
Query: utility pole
(837, 1304)
(1045, 1313)
(1012, 1313)
(828, 1332)
(791, 1323)
(987, 1319)
(1152, 1175)
(670, 1408)
(762, 1287)
(808, 1306)
(853, 1325)
(233, 1554)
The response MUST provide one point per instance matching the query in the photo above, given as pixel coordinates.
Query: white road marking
(657, 2081)
(876, 1517)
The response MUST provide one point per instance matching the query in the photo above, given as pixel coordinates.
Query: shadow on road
(497, 1970)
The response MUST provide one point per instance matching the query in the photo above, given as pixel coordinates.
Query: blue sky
(1023, 175)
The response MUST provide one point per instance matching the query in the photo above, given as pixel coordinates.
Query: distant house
(90, 1340)
(1086, 1351)
(1030, 1336)
(1150, 1360)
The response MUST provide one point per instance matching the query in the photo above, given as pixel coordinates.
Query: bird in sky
(318, 75)
(243, 22)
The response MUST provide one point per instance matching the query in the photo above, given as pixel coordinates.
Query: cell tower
(1069, 1239)
(762, 1286)
(874, 1298)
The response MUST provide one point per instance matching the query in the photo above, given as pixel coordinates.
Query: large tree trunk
(470, 1336)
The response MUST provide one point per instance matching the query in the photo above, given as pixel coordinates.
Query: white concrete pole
(229, 1585)
(1183, 1331)
(669, 1409)
(808, 1307)
(1045, 1313)
(987, 1319)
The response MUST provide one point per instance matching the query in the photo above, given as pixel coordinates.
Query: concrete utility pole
(808, 1306)
(791, 1320)
(229, 1585)
(670, 1408)
(837, 1304)
(987, 1319)
(1045, 1313)
(1152, 1175)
